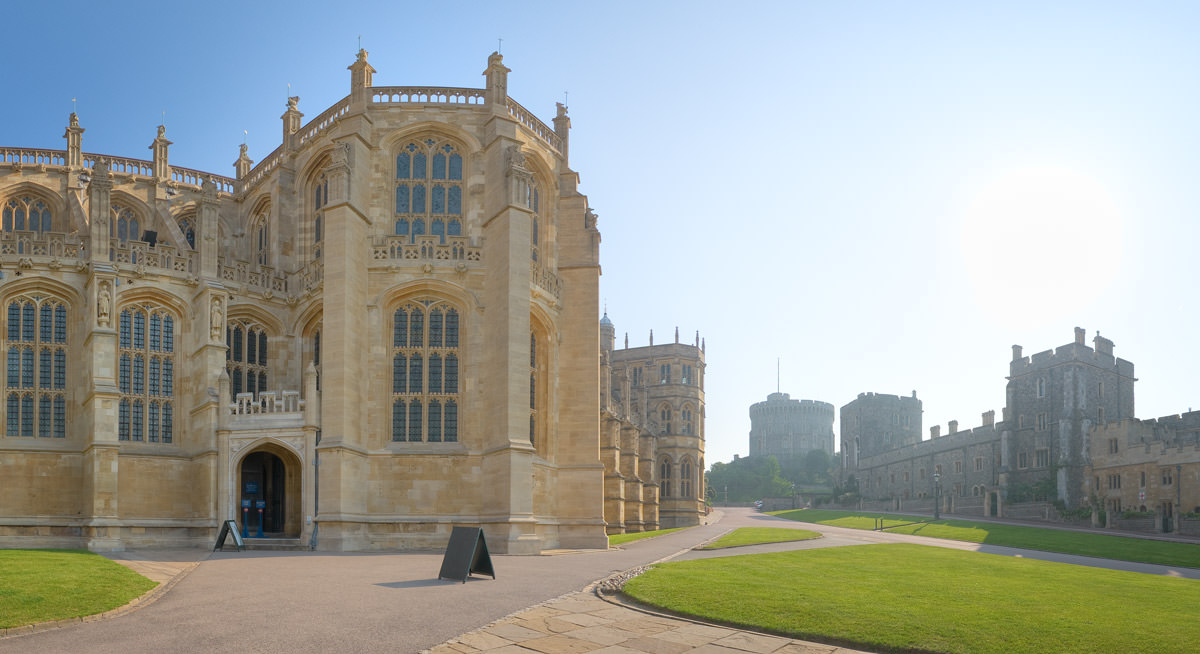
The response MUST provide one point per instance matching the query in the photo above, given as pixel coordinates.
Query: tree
(748, 479)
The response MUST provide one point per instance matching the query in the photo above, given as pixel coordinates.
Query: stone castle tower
(874, 423)
(784, 427)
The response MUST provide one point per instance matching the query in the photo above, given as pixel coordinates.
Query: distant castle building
(652, 436)
(1040, 447)
(784, 427)
(874, 423)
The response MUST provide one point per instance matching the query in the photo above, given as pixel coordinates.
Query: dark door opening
(264, 480)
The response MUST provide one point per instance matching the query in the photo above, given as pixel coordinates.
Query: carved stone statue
(103, 305)
(217, 319)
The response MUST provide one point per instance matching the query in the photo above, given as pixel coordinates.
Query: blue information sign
(245, 504)
(251, 487)
(260, 504)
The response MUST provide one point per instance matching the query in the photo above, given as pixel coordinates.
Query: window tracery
(320, 199)
(146, 375)
(123, 224)
(685, 477)
(27, 213)
(664, 476)
(187, 225)
(246, 357)
(36, 378)
(429, 190)
(425, 372)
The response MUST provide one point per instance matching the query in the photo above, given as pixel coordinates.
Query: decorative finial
(73, 107)
(245, 133)
(164, 119)
(499, 46)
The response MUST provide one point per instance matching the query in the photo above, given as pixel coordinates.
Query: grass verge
(621, 539)
(43, 585)
(1122, 548)
(760, 535)
(916, 598)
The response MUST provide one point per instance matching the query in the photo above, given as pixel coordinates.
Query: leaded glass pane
(416, 325)
(435, 421)
(125, 329)
(455, 167)
(27, 321)
(139, 330)
(251, 382)
(414, 421)
(155, 374)
(435, 375)
(438, 203)
(155, 332)
(251, 346)
(418, 228)
(14, 415)
(418, 198)
(46, 323)
(27, 415)
(167, 411)
(136, 416)
(398, 420)
(454, 201)
(451, 328)
(402, 227)
(451, 384)
(168, 334)
(439, 229)
(399, 328)
(435, 328)
(399, 374)
(45, 369)
(27, 367)
(139, 375)
(402, 200)
(262, 348)
(19, 221)
(123, 421)
(262, 381)
(168, 378)
(418, 167)
(152, 423)
(60, 324)
(14, 367)
(60, 417)
(45, 410)
(450, 422)
(439, 166)
(403, 169)
(14, 321)
(123, 380)
(235, 378)
(237, 344)
(415, 383)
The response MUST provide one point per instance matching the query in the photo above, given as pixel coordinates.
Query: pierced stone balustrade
(266, 410)
(40, 247)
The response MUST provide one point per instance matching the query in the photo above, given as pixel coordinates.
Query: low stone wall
(1189, 526)
(1145, 525)
(1031, 511)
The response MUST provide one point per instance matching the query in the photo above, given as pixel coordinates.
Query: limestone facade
(783, 427)
(652, 433)
(1147, 465)
(385, 328)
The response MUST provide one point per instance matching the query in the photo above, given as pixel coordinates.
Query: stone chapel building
(385, 328)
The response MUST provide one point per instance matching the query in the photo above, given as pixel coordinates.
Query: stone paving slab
(582, 623)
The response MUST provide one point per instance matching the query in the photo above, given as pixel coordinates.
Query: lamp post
(937, 495)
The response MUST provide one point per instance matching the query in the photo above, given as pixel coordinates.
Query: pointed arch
(30, 207)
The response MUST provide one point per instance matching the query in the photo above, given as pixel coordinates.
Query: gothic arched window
(26, 214)
(246, 357)
(260, 237)
(686, 417)
(36, 383)
(685, 477)
(664, 476)
(664, 418)
(320, 199)
(425, 372)
(187, 225)
(429, 190)
(123, 224)
(146, 375)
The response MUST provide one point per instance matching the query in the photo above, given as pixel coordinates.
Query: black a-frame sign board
(229, 528)
(466, 553)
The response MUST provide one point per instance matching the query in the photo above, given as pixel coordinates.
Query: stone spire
(291, 123)
(162, 170)
(360, 80)
(562, 127)
(74, 136)
(497, 79)
(244, 163)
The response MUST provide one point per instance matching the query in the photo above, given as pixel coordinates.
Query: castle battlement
(1101, 355)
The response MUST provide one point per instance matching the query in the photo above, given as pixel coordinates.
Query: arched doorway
(269, 477)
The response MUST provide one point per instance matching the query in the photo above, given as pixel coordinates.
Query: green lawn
(926, 599)
(621, 539)
(760, 535)
(43, 585)
(1122, 548)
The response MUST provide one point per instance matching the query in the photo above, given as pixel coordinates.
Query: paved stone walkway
(582, 622)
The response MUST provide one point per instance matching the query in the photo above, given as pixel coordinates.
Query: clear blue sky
(884, 195)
